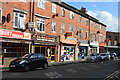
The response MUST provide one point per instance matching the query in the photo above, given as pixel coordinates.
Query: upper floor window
(53, 27)
(95, 37)
(63, 11)
(86, 34)
(100, 37)
(71, 29)
(40, 25)
(80, 20)
(23, 1)
(62, 28)
(80, 33)
(87, 22)
(0, 15)
(54, 10)
(91, 23)
(41, 4)
(96, 25)
(19, 20)
(100, 27)
(71, 15)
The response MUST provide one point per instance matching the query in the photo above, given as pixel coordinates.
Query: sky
(105, 12)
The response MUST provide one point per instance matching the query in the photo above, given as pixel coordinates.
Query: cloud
(106, 18)
(91, 0)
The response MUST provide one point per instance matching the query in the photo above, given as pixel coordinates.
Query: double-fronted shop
(13, 44)
(47, 45)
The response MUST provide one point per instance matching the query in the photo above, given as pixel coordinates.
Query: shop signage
(31, 24)
(102, 44)
(68, 34)
(14, 34)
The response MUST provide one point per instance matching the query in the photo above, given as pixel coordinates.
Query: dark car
(94, 57)
(113, 55)
(28, 62)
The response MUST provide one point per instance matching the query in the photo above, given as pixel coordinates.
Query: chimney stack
(83, 10)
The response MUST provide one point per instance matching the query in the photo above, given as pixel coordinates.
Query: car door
(40, 61)
(33, 60)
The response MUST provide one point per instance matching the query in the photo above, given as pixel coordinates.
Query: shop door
(52, 54)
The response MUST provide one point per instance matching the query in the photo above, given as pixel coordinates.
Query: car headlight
(22, 62)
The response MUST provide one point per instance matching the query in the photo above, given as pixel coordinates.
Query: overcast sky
(105, 11)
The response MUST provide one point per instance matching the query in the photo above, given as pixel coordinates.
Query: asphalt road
(78, 70)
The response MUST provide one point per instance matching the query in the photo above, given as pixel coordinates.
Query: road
(78, 70)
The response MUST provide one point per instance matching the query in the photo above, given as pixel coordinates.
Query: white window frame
(86, 34)
(53, 27)
(100, 27)
(54, 8)
(80, 19)
(95, 37)
(87, 22)
(71, 15)
(0, 15)
(80, 34)
(23, 1)
(70, 28)
(101, 37)
(62, 28)
(63, 11)
(20, 21)
(42, 4)
(40, 21)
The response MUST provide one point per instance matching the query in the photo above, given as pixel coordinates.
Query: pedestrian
(63, 56)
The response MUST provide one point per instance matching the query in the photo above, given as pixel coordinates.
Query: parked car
(113, 55)
(94, 57)
(105, 56)
(28, 62)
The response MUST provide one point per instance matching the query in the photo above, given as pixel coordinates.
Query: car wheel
(26, 68)
(45, 66)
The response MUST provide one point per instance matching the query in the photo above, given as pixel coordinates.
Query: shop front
(102, 47)
(67, 48)
(94, 47)
(13, 44)
(83, 49)
(47, 45)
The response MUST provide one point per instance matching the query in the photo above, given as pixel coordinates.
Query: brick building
(51, 28)
(113, 45)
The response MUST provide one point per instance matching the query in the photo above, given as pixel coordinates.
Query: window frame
(40, 20)
(25, 1)
(19, 21)
(80, 19)
(71, 15)
(54, 8)
(62, 28)
(80, 34)
(53, 28)
(0, 15)
(70, 28)
(42, 2)
(87, 22)
(63, 12)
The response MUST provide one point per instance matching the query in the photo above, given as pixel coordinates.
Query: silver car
(94, 58)
(105, 56)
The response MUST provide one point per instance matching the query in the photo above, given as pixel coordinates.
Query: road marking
(71, 70)
(53, 75)
(112, 75)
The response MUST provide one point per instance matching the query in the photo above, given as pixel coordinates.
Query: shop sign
(102, 44)
(14, 34)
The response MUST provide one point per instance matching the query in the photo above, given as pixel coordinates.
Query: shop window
(37, 49)
(43, 50)
(54, 10)
(0, 15)
(19, 20)
(63, 11)
(41, 25)
(42, 4)
(62, 28)
(53, 27)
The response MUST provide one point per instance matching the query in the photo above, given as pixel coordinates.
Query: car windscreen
(26, 56)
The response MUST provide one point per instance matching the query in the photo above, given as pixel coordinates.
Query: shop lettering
(14, 34)
(46, 40)
(5, 33)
